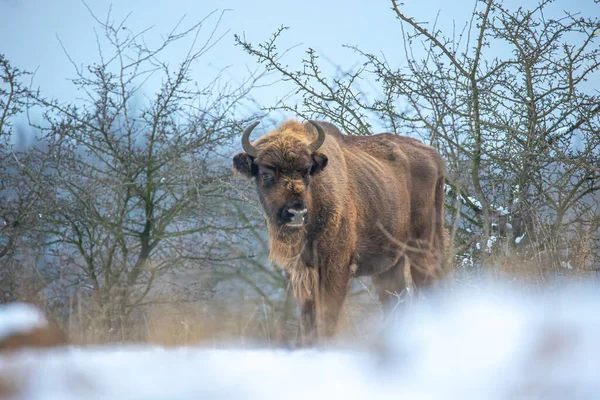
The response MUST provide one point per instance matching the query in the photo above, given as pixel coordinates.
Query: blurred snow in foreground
(19, 318)
(477, 343)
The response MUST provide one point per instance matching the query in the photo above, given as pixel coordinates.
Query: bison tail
(440, 230)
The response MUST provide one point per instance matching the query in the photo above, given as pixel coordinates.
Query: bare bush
(132, 195)
(18, 198)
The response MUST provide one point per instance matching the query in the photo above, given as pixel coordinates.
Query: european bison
(340, 206)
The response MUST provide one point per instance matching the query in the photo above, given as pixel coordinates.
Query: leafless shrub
(131, 195)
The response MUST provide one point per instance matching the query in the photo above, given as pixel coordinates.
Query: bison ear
(244, 164)
(319, 162)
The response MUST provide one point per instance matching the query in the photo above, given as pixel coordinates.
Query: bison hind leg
(393, 288)
(426, 265)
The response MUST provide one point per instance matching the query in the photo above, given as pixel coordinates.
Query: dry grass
(255, 324)
(220, 322)
(245, 319)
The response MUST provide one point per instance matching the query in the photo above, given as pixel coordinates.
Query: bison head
(282, 164)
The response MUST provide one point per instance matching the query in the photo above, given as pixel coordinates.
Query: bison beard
(340, 206)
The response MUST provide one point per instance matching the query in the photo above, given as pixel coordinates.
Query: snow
(520, 238)
(502, 211)
(146, 372)
(490, 243)
(484, 342)
(497, 345)
(466, 262)
(475, 202)
(566, 265)
(19, 318)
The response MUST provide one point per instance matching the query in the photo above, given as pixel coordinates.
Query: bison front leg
(320, 320)
(308, 323)
(320, 294)
(333, 289)
(304, 281)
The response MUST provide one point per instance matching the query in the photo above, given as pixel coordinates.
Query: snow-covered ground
(478, 343)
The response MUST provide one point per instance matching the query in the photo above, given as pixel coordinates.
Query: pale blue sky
(29, 30)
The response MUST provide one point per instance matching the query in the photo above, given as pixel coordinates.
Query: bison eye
(266, 176)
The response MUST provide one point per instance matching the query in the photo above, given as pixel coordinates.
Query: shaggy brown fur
(373, 203)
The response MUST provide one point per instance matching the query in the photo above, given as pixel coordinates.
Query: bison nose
(298, 214)
(294, 215)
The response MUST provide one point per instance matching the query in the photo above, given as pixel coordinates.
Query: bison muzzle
(340, 206)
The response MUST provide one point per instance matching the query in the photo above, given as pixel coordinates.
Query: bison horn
(320, 139)
(246, 145)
